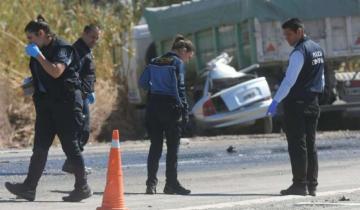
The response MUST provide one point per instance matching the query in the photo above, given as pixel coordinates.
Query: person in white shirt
(299, 91)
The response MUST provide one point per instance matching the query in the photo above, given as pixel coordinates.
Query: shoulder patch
(64, 55)
(63, 52)
(164, 60)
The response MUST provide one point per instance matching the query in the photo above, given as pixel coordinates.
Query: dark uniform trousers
(162, 118)
(84, 138)
(63, 118)
(301, 119)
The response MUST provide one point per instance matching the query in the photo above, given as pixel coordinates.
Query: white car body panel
(245, 102)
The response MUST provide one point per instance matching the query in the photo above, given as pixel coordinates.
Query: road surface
(248, 178)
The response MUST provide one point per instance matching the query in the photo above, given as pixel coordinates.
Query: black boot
(150, 189)
(295, 190)
(69, 168)
(312, 190)
(21, 190)
(78, 194)
(176, 188)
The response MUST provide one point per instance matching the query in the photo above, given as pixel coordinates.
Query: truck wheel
(263, 125)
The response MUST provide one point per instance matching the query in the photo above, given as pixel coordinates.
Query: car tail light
(209, 108)
(355, 83)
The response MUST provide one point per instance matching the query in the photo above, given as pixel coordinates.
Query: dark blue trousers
(162, 120)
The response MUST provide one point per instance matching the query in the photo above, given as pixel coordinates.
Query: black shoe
(294, 190)
(150, 190)
(176, 189)
(21, 190)
(312, 190)
(78, 194)
(68, 168)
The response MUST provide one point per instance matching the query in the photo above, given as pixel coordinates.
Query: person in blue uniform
(83, 47)
(299, 92)
(58, 104)
(166, 112)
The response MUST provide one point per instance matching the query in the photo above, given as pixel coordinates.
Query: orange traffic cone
(113, 198)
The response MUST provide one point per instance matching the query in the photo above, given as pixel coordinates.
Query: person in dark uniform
(300, 90)
(166, 112)
(83, 46)
(58, 104)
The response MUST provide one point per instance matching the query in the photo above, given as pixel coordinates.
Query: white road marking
(261, 200)
(326, 204)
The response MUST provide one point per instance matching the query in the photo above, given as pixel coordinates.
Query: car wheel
(263, 125)
(199, 130)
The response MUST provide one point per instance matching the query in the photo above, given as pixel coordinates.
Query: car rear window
(224, 83)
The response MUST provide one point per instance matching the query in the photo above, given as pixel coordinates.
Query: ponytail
(40, 23)
(180, 42)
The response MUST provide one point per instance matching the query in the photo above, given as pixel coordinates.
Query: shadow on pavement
(231, 194)
(13, 174)
(24, 201)
(202, 194)
(194, 194)
(131, 193)
(25, 173)
(67, 192)
(60, 191)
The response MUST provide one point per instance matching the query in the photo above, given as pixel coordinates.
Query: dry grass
(122, 117)
(21, 114)
(22, 117)
(67, 21)
(106, 98)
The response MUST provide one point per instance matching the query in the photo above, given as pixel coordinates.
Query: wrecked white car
(231, 98)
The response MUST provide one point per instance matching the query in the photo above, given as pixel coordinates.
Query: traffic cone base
(113, 198)
(102, 208)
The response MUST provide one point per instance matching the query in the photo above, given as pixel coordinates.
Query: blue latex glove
(91, 98)
(272, 108)
(32, 50)
(27, 80)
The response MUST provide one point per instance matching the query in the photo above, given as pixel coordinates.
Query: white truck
(255, 40)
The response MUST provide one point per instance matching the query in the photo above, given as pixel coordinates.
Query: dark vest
(310, 80)
(59, 88)
(87, 66)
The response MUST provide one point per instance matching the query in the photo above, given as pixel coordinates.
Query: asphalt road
(248, 178)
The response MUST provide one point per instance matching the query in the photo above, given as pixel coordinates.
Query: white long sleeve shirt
(296, 62)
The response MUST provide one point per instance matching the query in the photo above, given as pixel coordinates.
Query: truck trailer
(250, 32)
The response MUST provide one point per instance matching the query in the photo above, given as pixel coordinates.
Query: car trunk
(229, 94)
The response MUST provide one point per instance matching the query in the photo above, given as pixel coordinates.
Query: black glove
(184, 120)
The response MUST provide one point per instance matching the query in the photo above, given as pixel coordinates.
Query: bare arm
(53, 69)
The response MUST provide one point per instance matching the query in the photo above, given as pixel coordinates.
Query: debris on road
(184, 141)
(231, 149)
(344, 198)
